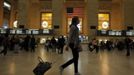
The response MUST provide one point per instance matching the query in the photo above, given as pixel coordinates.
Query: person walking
(54, 44)
(5, 43)
(61, 43)
(73, 43)
(128, 43)
(95, 44)
(32, 43)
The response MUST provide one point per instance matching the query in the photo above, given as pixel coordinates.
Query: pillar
(1, 13)
(92, 17)
(13, 13)
(23, 13)
(57, 8)
(128, 6)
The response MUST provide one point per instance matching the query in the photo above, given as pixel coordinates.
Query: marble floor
(90, 63)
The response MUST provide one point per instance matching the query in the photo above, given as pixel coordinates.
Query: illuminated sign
(45, 31)
(35, 31)
(12, 31)
(3, 31)
(103, 31)
(28, 31)
(18, 31)
(115, 33)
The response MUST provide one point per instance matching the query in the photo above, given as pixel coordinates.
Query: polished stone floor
(90, 63)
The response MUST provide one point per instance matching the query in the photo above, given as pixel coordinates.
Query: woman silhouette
(73, 43)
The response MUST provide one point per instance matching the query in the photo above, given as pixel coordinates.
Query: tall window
(104, 21)
(79, 25)
(46, 20)
(76, 11)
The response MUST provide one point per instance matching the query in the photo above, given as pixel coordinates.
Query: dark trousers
(32, 48)
(4, 51)
(74, 59)
(128, 51)
(60, 50)
(97, 48)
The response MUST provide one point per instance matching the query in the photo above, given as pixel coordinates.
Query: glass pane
(104, 22)
(79, 25)
(46, 20)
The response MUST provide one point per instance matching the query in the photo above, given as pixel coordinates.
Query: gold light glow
(79, 25)
(46, 17)
(103, 18)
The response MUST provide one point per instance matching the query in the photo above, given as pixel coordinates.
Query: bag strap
(40, 59)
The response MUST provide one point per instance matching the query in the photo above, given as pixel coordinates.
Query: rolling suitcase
(42, 67)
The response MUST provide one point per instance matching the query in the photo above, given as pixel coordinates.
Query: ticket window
(79, 25)
(46, 20)
(6, 14)
(104, 21)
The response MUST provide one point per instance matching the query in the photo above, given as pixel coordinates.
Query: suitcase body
(42, 67)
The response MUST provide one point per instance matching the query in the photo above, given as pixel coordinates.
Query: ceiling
(115, 1)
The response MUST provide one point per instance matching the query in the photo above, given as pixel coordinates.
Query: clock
(105, 25)
(44, 24)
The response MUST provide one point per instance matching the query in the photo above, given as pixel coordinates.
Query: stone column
(92, 17)
(13, 13)
(23, 13)
(1, 13)
(128, 9)
(57, 8)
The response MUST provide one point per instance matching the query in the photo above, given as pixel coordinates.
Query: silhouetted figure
(109, 45)
(61, 43)
(1, 40)
(53, 43)
(128, 43)
(17, 44)
(21, 43)
(47, 44)
(32, 44)
(90, 46)
(102, 45)
(120, 45)
(12, 41)
(73, 43)
(26, 43)
(95, 44)
(5, 43)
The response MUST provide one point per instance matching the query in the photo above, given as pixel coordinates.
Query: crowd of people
(15, 43)
(55, 45)
(119, 44)
(29, 43)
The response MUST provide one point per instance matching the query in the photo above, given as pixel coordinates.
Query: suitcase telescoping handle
(40, 59)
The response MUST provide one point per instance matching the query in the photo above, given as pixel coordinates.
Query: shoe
(77, 74)
(61, 71)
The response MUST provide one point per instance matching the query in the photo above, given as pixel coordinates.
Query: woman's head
(75, 20)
